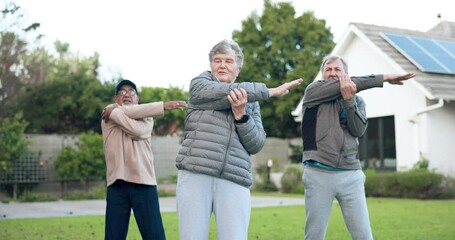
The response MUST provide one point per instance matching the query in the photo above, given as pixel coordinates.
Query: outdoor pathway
(97, 207)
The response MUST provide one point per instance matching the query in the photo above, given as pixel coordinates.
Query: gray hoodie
(331, 125)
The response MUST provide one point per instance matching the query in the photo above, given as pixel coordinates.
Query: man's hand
(107, 112)
(283, 89)
(174, 105)
(398, 78)
(238, 99)
(347, 86)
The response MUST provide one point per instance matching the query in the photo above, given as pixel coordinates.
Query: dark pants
(143, 199)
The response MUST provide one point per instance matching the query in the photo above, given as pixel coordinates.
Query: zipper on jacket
(229, 143)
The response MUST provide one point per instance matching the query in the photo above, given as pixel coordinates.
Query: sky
(166, 43)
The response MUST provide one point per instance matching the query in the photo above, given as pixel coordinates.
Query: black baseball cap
(125, 82)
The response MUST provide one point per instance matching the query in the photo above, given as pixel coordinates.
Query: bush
(264, 184)
(36, 197)
(291, 182)
(170, 179)
(96, 192)
(265, 187)
(417, 183)
(6, 200)
(166, 193)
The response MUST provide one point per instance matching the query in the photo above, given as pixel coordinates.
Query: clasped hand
(347, 87)
(238, 98)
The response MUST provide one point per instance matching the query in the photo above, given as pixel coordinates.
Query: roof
(440, 86)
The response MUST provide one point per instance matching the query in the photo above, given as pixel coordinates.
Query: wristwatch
(243, 119)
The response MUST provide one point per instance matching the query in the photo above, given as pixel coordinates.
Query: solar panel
(428, 54)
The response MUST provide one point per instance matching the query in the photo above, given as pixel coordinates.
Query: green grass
(390, 219)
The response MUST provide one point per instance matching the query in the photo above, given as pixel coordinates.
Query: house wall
(364, 60)
(440, 139)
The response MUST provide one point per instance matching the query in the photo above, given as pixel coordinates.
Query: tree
(172, 121)
(71, 98)
(13, 145)
(57, 94)
(83, 162)
(13, 46)
(61, 93)
(280, 47)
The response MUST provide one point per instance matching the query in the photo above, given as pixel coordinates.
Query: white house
(410, 122)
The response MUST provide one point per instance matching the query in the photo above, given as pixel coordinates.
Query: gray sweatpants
(199, 195)
(348, 187)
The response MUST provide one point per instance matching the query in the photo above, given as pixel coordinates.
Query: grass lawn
(390, 219)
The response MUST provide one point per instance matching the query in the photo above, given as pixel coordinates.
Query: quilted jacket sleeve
(206, 92)
(251, 133)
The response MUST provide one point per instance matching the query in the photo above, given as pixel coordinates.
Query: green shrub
(264, 184)
(28, 196)
(418, 183)
(97, 192)
(374, 183)
(170, 179)
(423, 163)
(173, 179)
(6, 200)
(448, 186)
(166, 193)
(291, 181)
(265, 187)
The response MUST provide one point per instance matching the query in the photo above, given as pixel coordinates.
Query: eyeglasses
(131, 92)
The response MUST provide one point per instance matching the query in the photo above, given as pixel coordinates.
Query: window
(377, 146)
